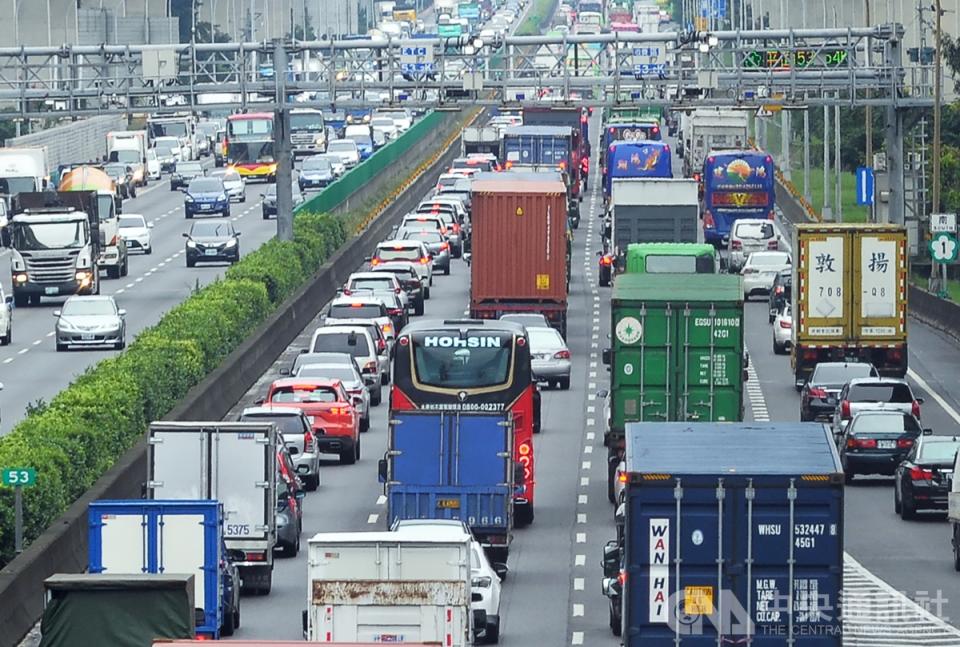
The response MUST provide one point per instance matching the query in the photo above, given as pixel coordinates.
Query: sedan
(385, 125)
(153, 165)
(268, 200)
(876, 442)
(233, 183)
(346, 150)
(781, 292)
(782, 329)
(212, 241)
(527, 319)
(92, 320)
(184, 173)
(760, 270)
(206, 195)
(316, 172)
(289, 513)
(135, 231)
(549, 357)
(818, 399)
(436, 243)
(923, 480)
(352, 381)
(298, 436)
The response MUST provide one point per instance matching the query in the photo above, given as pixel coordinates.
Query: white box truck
(233, 462)
(710, 129)
(129, 147)
(23, 170)
(384, 587)
(653, 210)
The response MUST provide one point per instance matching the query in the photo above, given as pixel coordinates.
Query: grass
(541, 10)
(953, 285)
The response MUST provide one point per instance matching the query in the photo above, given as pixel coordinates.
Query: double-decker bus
(472, 365)
(248, 145)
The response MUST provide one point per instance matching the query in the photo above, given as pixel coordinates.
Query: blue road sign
(865, 182)
(713, 8)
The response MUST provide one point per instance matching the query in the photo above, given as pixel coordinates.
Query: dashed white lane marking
(168, 259)
(578, 611)
(578, 584)
(120, 291)
(8, 360)
(933, 394)
(582, 499)
(22, 351)
(373, 518)
(382, 500)
(586, 465)
(50, 334)
(581, 517)
(138, 279)
(37, 342)
(580, 560)
(584, 481)
(128, 285)
(577, 638)
(588, 449)
(758, 405)
(591, 435)
(591, 409)
(581, 537)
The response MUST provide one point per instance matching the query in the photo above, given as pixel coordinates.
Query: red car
(335, 421)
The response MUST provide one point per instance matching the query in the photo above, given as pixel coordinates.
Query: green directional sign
(943, 248)
(18, 476)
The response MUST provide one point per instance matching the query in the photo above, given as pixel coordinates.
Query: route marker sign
(943, 223)
(943, 248)
(18, 478)
(865, 186)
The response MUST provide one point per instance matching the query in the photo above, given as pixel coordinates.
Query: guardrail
(62, 548)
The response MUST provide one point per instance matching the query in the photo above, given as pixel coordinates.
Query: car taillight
(424, 260)
(347, 291)
(779, 289)
(785, 323)
(773, 244)
(381, 345)
(816, 392)
(387, 328)
(444, 246)
(736, 244)
(708, 220)
(562, 354)
(904, 443)
(920, 474)
(374, 261)
(861, 443)
(771, 215)
(845, 409)
(622, 578)
(339, 411)
(395, 311)
(525, 450)
(397, 290)
(915, 407)
(456, 228)
(370, 366)
(606, 260)
(308, 441)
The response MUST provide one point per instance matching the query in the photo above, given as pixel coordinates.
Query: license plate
(211, 252)
(86, 336)
(205, 206)
(51, 290)
(448, 504)
(886, 444)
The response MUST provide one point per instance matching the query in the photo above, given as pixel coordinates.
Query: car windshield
(126, 157)
(402, 273)
(189, 168)
(49, 235)
(839, 373)
(211, 229)
(375, 283)
(166, 150)
(383, 121)
(401, 254)
(227, 176)
(544, 339)
(317, 165)
(87, 307)
(131, 222)
(355, 311)
(303, 393)
(115, 170)
(343, 373)
(427, 236)
(759, 230)
(208, 128)
(287, 424)
(938, 450)
(206, 185)
(890, 393)
(342, 342)
(527, 320)
(672, 264)
(362, 139)
(882, 423)
(768, 259)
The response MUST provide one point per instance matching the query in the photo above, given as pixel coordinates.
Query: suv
(409, 279)
(781, 293)
(411, 251)
(297, 434)
(818, 399)
(874, 394)
(378, 282)
(748, 235)
(358, 342)
(382, 343)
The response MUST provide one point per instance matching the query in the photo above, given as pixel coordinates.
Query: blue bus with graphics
(736, 184)
(636, 159)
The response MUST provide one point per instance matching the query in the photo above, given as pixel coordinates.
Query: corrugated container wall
(519, 241)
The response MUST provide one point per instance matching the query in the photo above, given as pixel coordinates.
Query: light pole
(868, 153)
(937, 58)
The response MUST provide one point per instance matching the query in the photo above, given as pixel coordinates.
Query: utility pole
(937, 98)
(785, 134)
(806, 130)
(868, 153)
(827, 212)
(283, 151)
(838, 166)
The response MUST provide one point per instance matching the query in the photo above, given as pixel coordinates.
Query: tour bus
(248, 145)
(472, 365)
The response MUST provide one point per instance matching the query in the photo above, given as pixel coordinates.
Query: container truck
(677, 354)
(116, 610)
(23, 170)
(519, 249)
(139, 536)
(234, 463)
(740, 526)
(55, 241)
(711, 129)
(480, 139)
(672, 258)
(181, 126)
(567, 117)
(114, 257)
(389, 587)
(645, 159)
(653, 210)
(453, 465)
(736, 184)
(849, 297)
(545, 147)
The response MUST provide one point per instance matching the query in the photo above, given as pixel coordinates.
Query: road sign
(18, 476)
(943, 248)
(941, 223)
(865, 183)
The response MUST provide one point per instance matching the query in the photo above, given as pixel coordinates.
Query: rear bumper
(881, 462)
(53, 289)
(890, 359)
(327, 444)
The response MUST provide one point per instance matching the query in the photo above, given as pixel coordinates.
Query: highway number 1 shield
(943, 248)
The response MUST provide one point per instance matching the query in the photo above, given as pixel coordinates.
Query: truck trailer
(653, 210)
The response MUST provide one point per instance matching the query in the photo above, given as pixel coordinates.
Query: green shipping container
(677, 350)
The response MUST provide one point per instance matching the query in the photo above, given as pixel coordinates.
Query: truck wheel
(612, 463)
(426, 291)
(616, 626)
(125, 268)
(312, 482)
(265, 589)
(228, 625)
(492, 635)
(6, 339)
(524, 515)
(20, 300)
(376, 397)
(364, 425)
(956, 550)
(236, 616)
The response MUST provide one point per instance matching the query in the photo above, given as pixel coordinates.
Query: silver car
(90, 321)
(353, 384)
(749, 235)
(527, 319)
(760, 270)
(437, 244)
(549, 357)
(233, 183)
(782, 330)
(297, 433)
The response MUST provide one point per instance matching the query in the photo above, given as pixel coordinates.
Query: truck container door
(242, 462)
(418, 448)
(710, 370)
(483, 466)
(176, 542)
(880, 277)
(124, 544)
(178, 465)
(822, 286)
(645, 353)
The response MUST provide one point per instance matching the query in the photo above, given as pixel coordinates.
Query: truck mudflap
(890, 360)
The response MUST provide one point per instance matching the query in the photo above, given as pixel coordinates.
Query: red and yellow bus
(472, 365)
(248, 145)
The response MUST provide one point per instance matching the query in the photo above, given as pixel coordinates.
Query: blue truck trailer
(732, 534)
(453, 465)
(141, 536)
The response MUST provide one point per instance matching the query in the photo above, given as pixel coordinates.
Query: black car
(212, 240)
(875, 442)
(781, 292)
(268, 200)
(923, 479)
(184, 173)
(818, 399)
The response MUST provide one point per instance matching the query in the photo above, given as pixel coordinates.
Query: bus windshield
(241, 152)
(447, 359)
(250, 129)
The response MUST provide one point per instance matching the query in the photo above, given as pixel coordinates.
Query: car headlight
(223, 196)
(232, 242)
(187, 199)
(191, 244)
(281, 521)
(482, 582)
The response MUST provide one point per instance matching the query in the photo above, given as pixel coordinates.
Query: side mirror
(611, 559)
(237, 233)
(367, 259)
(56, 313)
(259, 402)
(382, 470)
(926, 432)
(356, 399)
(607, 357)
(8, 300)
(919, 400)
(122, 312)
(602, 394)
(608, 586)
(500, 569)
(285, 371)
(149, 225)
(300, 495)
(185, 235)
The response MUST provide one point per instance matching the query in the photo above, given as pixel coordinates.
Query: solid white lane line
(922, 383)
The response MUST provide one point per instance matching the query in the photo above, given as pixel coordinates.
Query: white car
(759, 271)
(486, 578)
(385, 125)
(135, 231)
(411, 251)
(361, 281)
(749, 235)
(339, 168)
(153, 165)
(401, 117)
(233, 183)
(346, 150)
(782, 329)
(6, 319)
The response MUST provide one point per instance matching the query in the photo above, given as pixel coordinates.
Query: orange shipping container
(519, 249)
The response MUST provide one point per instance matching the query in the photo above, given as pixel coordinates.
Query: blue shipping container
(642, 159)
(156, 536)
(733, 529)
(452, 465)
(538, 145)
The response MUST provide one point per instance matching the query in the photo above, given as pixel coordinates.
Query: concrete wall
(76, 141)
